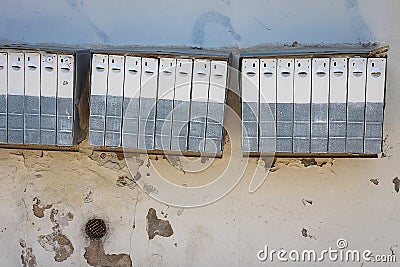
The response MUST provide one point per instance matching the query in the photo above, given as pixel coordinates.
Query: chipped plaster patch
(95, 256)
(157, 226)
(58, 243)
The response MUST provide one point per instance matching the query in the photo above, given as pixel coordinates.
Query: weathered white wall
(208, 23)
(345, 204)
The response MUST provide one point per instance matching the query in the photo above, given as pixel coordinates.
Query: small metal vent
(96, 228)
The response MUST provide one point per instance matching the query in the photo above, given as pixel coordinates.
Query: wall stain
(149, 189)
(300, 163)
(262, 24)
(100, 33)
(95, 256)
(306, 202)
(212, 17)
(357, 22)
(125, 180)
(38, 209)
(58, 243)
(305, 233)
(109, 160)
(27, 257)
(157, 226)
(396, 182)
(307, 162)
(375, 181)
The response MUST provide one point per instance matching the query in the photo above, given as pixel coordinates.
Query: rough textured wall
(47, 197)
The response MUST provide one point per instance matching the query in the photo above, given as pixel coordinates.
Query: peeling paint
(58, 243)
(125, 180)
(180, 211)
(305, 233)
(396, 182)
(157, 226)
(301, 163)
(60, 219)
(108, 159)
(306, 202)
(374, 181)
(28, 259)
(38, 209)
(95, 256)
(149, 189)
(312, 162)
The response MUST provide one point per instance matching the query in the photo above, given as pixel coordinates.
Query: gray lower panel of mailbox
(113, 121)
(355, 128)
(147, 123)
(319, 127)
(48, 120)
(197, 126)
(214, 128)
(65, 111)
(373, 127)
(32, 120)
(3, 118)
(16, 119)
(163, 124)
(284, 127)
(130, 122)
(301, 128)
(97, 120)
(250, 127)
(337, 128)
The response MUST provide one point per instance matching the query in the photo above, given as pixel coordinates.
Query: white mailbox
(284, 106)
(180, 114)
(337, 105)
(98, 95)
(250, 81)
(65, 99)
(3, 97)
(302, 99)
(133, 71)
(375, 95)
(198, 108)
(356, 105)
(319, 105)
(115, 89)
(165, 103)
(48, 103)
(216, 106)
(16, 90)
(267, 116)
(32, 99)
(148, 99)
